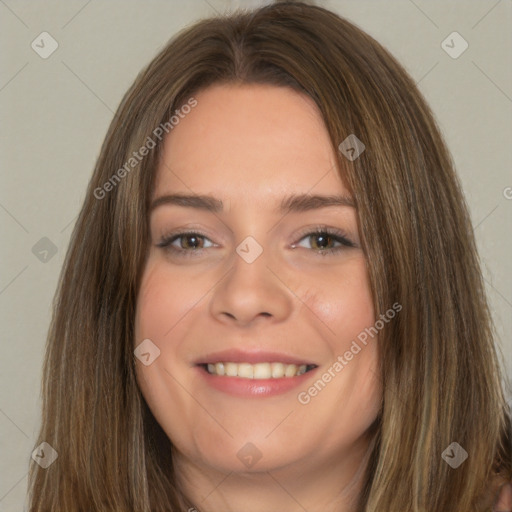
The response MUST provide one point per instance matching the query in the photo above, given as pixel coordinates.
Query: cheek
(345, 308)
(162, 302)
(162, 305)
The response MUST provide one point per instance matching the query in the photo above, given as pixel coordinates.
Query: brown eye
(326, 241)
(184, 243)
(192, 241)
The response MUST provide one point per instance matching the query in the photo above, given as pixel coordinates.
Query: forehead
(249, 139)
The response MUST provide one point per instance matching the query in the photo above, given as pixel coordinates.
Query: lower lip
(238, 386)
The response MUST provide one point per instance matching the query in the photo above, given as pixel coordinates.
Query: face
(247, 289)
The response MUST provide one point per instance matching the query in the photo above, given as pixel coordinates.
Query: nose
(252, 292)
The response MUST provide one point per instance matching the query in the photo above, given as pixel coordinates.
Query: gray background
(55, 114)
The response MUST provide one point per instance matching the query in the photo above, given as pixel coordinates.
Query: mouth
(257, 371)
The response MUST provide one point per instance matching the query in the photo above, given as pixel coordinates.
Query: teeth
(245, 370)
(257, 371)
(231, 370)
(290, 370)
(277, 370)
(262, 371)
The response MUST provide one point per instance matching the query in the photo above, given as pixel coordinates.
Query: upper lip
(259, 356)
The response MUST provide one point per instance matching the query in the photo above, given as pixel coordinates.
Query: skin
(250, 146)
(504, 502)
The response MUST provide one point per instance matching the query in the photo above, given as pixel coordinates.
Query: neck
(313, 484)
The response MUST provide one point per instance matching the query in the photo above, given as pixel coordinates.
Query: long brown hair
(440, 370)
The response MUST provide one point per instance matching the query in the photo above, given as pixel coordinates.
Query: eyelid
(339, 235)
(166, 239)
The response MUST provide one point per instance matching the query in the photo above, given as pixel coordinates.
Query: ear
(504, 503)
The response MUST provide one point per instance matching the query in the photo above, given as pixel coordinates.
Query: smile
(274, 370)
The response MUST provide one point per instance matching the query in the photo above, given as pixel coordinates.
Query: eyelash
(336, 235)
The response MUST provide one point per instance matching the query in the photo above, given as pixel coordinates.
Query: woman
(272, 297)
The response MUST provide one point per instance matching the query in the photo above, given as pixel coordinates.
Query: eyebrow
(293, 203)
